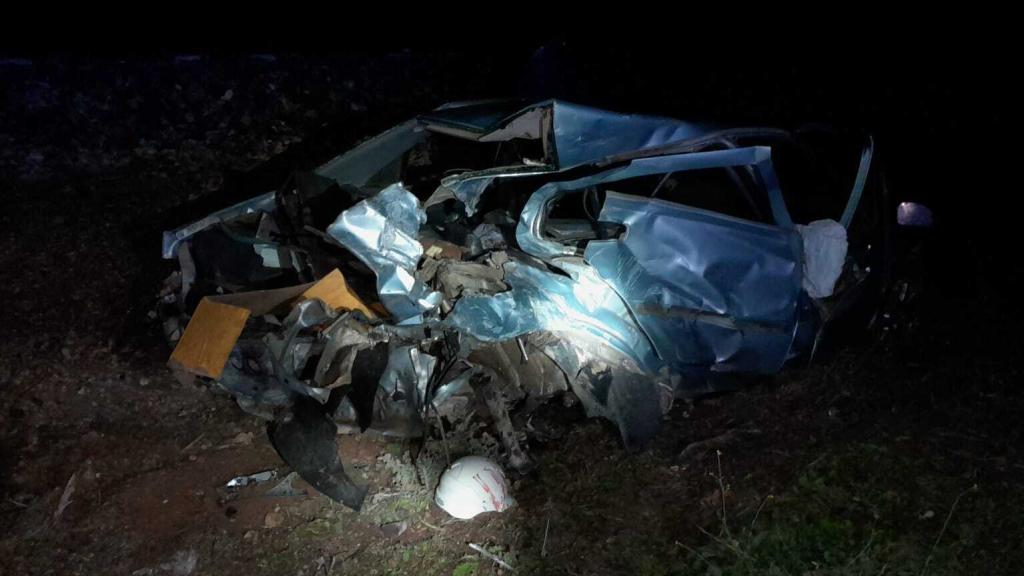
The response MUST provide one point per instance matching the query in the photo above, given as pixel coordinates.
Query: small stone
(143, 381)
(394, 529)
(273, 519)
(243, 439)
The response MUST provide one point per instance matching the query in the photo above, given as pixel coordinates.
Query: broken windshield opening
(440, 156)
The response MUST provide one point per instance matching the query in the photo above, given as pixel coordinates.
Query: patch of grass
(427, 558)
(271, 563)
(318, 528)
(408, 505)
(868, 510)
(466, 569)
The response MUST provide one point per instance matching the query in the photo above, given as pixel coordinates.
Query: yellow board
(209, 338)
(335, 292)
(218, 321)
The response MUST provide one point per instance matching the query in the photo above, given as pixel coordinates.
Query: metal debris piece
(172, 239)
(457, 278)
(382, 232)
(251, 479)
(483, 552)
(65, 497)
(307, 441)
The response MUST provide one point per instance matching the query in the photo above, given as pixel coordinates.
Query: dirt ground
(897, 456)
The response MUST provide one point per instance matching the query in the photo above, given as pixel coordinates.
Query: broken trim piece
(173, 238)
(858, 183)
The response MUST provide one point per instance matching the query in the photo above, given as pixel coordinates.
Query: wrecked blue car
(494, 256)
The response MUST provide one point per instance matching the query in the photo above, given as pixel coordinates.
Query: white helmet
(472, 485)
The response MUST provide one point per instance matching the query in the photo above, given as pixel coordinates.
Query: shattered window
(816, 178)
(723, 190)
(729, 191)
(442, 155)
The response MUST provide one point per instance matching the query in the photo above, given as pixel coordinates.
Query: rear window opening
(574, 217)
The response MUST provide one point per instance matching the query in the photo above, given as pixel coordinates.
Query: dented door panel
(707, 289)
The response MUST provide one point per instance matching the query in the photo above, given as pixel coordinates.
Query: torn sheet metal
(402, 391)
(458, 278)
(266, 373)
(581, 135)
(584, 134)
(381, 231)
(486, 237)
(612, 385)
(173, 238)
(470, 186)
(249, 479)
(308, 442)
(580, 302)
(250, 376)
(343, 339)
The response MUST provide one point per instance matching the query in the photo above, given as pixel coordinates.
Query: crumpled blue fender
(381, 231)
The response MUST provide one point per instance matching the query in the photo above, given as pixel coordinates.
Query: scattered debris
(285, 488)
(308, 443)
(65, 497)
(544, 544)
(257, 478)
(483, 552)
